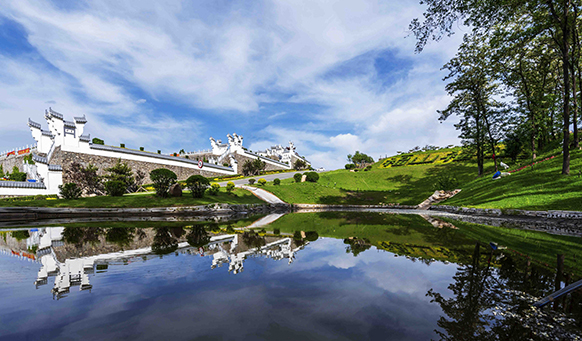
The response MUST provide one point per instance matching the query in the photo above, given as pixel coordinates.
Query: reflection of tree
(81, 235)
(20, 234)
(164, 241)
(252, 239)
(488, 307)
(121, 236)
(198, 236)
(356, 245)
(471, 297)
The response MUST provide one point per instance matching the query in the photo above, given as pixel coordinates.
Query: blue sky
(334, 77)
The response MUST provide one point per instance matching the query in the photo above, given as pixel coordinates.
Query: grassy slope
(412, 235)
(239, 196)
(539, 188)
(404, 185)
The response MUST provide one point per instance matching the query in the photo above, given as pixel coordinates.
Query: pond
(313, 276)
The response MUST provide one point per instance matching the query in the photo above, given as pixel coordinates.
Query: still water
(311, 276)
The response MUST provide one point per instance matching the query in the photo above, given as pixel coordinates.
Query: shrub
(445, 182)
(262, 182)
(252, 181)
(311, 236)
(312, 176)
(350, 166)
(214, 189)
(254, 167)
(122, 145)
(121, 172)
(162, 179)
(367, 168)
(70, 191)
(159, 151)
(17, 175)
(297, 177)
(1, 171)
(98, 141)
(141, 148)
(197, 185)
(115, 188)
(276, 181)
(230, 187)
(226, 164)
(276, 231)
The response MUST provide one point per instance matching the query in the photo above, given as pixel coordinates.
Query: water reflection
(70, 254)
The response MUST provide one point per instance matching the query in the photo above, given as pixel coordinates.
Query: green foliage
(367, 168)
(277, 231)
(311, 236)
(299, 164)
(252, 181)
(254, 167)
(85, 177)
(359, 158)
(70, 191)
(312, 176)
(122, 145)
(262, 182)
(28, 159)
(197, 185)
(349, 166)
(121, 172)
(230, 187)
(98, 141)
(1, 171)
(297, 177)
(513, 145)
(214, 189)
(20, 234)
(276, 181)
(159, 151)
(115, 188)
(17, 175)
(162, 179)
(141, 149)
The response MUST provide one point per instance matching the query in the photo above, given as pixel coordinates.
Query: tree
(253, 167)
(86, 178)
(197, 185)
(299, 164)
(359, 158)
(163, 178)
(121, 172)
(1, 171)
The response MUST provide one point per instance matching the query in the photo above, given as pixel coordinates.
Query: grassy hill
(410, 178)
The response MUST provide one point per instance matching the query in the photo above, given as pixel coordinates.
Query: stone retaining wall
(509, 212)
(11, 161)
(65, 159)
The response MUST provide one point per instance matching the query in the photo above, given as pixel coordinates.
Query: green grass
(408, 185)
(239, 196)
(411, 235)
(541, 187)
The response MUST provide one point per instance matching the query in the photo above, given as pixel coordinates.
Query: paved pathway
(263, 195)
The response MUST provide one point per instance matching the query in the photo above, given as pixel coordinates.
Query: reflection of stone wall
(65, 159)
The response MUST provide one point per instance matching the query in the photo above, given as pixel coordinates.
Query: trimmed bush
(17, 175)
(312, 176)
(98, 141)
(230, 186)
(297, 177)
(141, 149)
(262, 182)
(197, 185)
(159, 151)
(122, 145)
(252, 181)
(214, 189)
(367, 168)
(162, 178)
(276, 181)
(276, 231)
(350, 166)
(70, 191)
(311, 236)
(115, 188)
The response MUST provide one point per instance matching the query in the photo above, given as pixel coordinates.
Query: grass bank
(239, 196)
(408, 185)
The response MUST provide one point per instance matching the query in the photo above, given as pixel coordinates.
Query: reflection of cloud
(179, 297)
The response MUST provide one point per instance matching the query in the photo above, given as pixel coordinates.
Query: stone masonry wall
(11, 161)
(65, 159)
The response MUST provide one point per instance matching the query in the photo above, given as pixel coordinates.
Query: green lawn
(239, 196)
(411, 235)
(539, 188)
(408, 185)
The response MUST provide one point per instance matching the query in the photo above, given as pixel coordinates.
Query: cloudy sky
(332, 76)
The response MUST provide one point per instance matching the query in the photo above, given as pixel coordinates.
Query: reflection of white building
(75, 272)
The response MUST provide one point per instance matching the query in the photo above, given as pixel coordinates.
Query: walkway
(263, 195)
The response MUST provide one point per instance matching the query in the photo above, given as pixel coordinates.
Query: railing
(18, 151)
